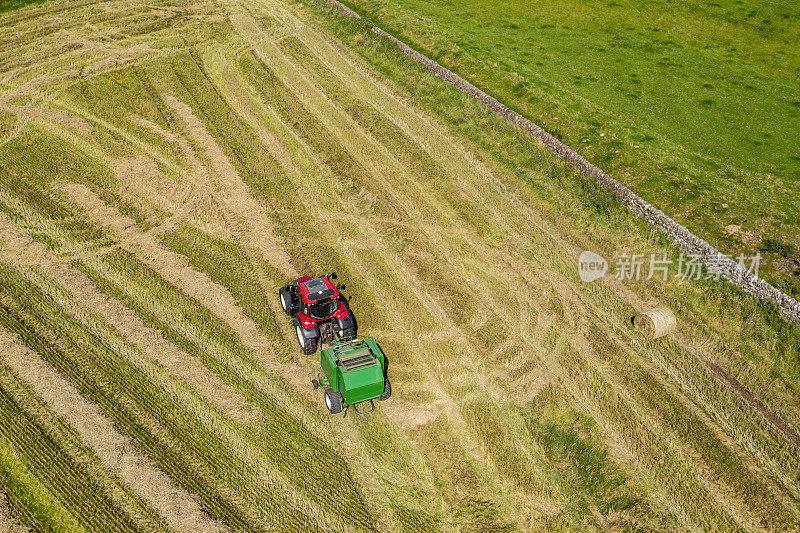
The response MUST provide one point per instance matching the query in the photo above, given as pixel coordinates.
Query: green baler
(353, 372)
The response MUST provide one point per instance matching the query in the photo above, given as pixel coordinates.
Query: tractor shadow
(346, 302)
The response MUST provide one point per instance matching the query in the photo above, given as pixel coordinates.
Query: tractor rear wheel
(333, 401)
(347, 334)
(387, 391)
(309, 346)
(286, 300)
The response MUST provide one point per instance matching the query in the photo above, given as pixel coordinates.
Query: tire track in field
(9, 524)
(669, 374)
(179, 508)
(738, 439)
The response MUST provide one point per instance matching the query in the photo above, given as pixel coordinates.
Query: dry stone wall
(679, 235)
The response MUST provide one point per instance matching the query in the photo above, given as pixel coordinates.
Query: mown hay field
(165, 166)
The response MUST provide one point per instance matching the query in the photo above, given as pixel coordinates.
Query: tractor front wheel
(309, 346)
(387, 391)
(333, 401)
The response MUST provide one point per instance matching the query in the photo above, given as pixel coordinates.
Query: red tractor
(318, 310)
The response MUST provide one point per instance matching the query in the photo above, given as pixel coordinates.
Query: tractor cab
(319, 298)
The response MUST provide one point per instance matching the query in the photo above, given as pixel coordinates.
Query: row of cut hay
(203, 335)
(253, 471)
(407, 151)
(71, 480)
(45, 227)
(61, 431)
(414, 201)
(159, 426)
(389, 280)
(209, 349)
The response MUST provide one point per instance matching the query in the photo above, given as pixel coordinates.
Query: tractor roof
(314, 290)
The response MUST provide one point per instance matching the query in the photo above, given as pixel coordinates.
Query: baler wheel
(333, 401)
(387, 391)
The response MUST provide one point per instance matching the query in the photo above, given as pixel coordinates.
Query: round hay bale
(655, 323)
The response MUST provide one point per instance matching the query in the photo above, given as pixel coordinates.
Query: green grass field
(8, 5)
(166, 166)
(692, 105)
